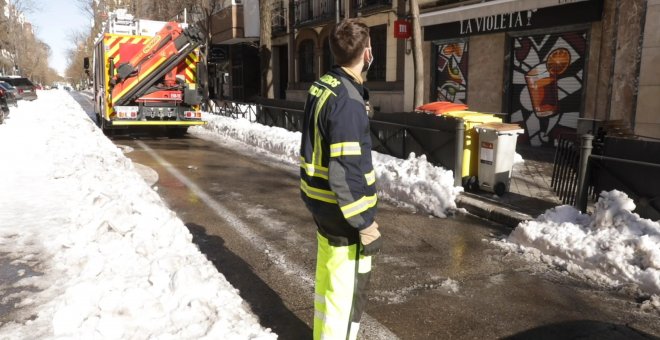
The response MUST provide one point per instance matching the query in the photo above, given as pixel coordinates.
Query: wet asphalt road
(435, 278)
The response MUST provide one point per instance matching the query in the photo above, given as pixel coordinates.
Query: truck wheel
(102, 125)
(470, 183)
(500, 188)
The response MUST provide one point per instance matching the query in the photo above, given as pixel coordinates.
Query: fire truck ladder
(185, 43)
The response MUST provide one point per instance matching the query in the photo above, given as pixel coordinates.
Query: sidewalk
(530, 192)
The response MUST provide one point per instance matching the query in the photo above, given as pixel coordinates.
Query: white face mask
(368, 62)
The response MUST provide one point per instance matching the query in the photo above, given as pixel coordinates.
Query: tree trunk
(418, 62)
(266, 48)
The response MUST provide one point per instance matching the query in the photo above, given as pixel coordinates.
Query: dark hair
(348, 39)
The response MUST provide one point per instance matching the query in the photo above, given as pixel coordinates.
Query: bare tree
(418, 93)
(266, 47)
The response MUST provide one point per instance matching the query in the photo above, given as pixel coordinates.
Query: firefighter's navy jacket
(337, 176)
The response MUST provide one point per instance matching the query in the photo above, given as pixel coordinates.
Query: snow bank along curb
(613, 246)
(412, 182)
(115, 262)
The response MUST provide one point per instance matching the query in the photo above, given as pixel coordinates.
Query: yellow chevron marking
(190, 74)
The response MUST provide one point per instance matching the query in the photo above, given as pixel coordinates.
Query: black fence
(631, 166)
(439, 138)
(565, 168)
(436, 137)
(285, 114)
(234, 109)
(584, 167)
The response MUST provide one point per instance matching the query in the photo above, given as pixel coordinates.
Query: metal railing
(440, 139)
(312, 11)
(285, 114)
(628, 165)
(361, 5)
(280, 17)
(235, 109)
(565, 169)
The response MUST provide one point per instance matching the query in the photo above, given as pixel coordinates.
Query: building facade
(553, 66)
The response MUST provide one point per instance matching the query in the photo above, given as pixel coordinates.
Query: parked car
(26, 89)
(4, 108)
(11, 93)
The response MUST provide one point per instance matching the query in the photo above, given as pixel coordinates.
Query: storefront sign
(495, 23)
(567, 13)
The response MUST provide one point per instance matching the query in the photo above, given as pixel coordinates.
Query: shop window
(328, 59)
(306, 61)
(451, 72)
(378, 35)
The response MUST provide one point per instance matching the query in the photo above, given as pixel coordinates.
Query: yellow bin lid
(475, 117)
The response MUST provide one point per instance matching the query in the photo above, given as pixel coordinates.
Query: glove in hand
(371, 240)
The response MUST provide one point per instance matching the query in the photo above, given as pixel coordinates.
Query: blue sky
(54, 22)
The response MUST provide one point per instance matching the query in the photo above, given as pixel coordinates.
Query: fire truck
(145, 73)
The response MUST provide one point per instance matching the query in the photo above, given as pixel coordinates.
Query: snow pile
(109, 260)
(412, 182)
(283, 144)
(417, 182)
(614, 246)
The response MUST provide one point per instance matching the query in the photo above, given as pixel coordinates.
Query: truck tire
(102, 125)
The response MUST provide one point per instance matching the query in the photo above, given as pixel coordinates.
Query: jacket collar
(356, 77)
(340, 71)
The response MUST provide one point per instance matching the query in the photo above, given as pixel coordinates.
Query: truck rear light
(192, 114)
(126, 112)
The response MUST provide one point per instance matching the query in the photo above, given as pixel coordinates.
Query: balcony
(280, 17)
(371, 5)
(235, 23)
(310, 12)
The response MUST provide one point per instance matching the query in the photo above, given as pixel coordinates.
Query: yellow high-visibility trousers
(342, 279)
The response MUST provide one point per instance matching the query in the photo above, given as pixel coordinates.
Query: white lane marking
(375, 329)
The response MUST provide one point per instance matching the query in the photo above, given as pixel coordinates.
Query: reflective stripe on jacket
(337, 178)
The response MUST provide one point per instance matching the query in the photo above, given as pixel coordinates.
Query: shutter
(546, 83)
(451, 71)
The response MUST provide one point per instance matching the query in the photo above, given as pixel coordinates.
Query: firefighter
(338, 184)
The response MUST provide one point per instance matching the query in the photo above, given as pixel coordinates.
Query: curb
(496, 213)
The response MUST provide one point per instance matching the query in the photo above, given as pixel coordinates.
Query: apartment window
(306, 61)
(378, 36)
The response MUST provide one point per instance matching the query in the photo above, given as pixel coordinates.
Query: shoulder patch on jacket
(330, 80)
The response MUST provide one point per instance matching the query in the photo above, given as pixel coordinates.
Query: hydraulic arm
(157, 60)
